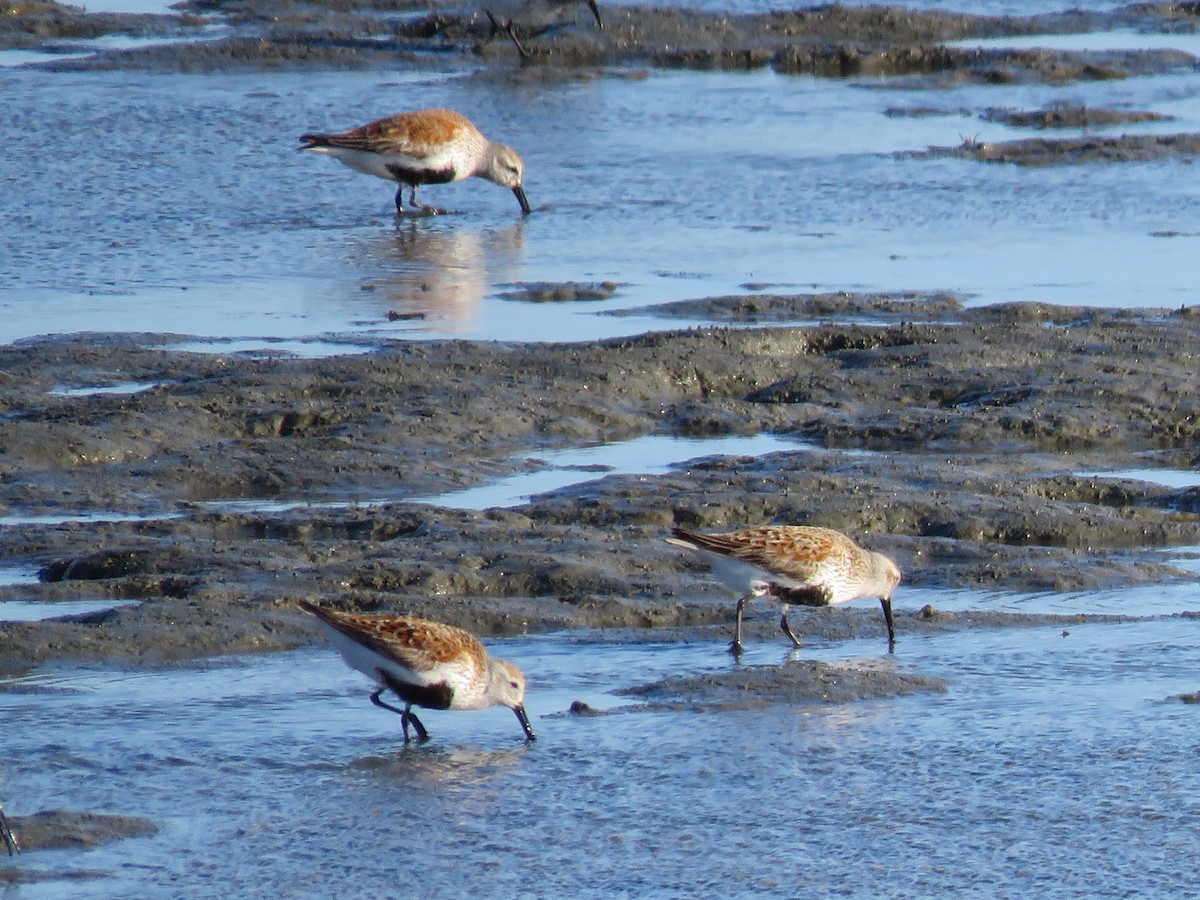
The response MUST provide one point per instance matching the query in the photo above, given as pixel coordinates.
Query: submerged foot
(423, 210)
(787, 629)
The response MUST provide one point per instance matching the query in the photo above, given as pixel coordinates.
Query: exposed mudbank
(62, 829)
(795, 682)
(572, 292)
(1069, 115)
(977, 425)
(1077, 150)
(765, 307)
(830, 41)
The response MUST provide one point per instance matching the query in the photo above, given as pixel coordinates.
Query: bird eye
(514, 684)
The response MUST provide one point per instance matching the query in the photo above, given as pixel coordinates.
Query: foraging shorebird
(429, 146)
(794, 565)
(425, 664)
(533, 18)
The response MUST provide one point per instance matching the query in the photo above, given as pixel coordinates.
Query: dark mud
(1069, 115)
(766, 307)
(795, 682)
(976, 424)
(66, 830)
(570, 292)
(1076, 150)
(828, 41)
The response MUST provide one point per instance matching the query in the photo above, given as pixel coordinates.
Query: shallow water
(177, 203)
(128, 387)
(19, 574)
(649, 455)
(33, 611)
(1051, 766)
(1172, 478)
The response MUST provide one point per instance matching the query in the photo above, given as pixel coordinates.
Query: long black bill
(887, 617)
(595, 12)
(524, 720)
(526, 209)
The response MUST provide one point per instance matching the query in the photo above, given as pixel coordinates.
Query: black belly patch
(420, 176)
(806, 596)
(433, 696)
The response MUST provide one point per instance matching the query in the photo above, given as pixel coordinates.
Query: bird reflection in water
(425, 766)
(436, 277)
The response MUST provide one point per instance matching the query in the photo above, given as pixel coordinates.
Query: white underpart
(376, 164)
(740, 577)
(365, 660)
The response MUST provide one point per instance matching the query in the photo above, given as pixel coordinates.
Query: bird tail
(317, 610)
(316, 141)
(681, 537)
(717, 543)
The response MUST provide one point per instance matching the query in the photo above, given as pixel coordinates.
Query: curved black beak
(595, 12)
(524, 720)
(891, 625)
(526, 209)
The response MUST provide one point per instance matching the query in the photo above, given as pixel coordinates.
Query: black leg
(422, 734)
(736, 647)
(400, 200)
(426, 210)
(512, 33)
(406, 716)
(6, 833)
(787, 629)
(375, 699)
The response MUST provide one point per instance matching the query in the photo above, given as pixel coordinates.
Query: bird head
(506, 168)
(508, 687)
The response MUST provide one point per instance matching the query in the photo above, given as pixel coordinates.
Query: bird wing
(807, 555)
(417, 135)
(419, 644)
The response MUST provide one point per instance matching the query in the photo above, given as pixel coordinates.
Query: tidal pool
(264, 247)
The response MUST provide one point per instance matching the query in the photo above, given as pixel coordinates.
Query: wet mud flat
(210, 492)
(955, 440)
(824, 40)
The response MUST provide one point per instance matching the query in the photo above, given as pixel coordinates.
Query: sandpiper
(429, 146)
(794, 565)
(7, 836)
(425, 664)
(533, 18)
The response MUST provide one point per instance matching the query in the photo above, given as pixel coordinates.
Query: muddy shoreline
(209, 493)
(823, 40)
(954, 439)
